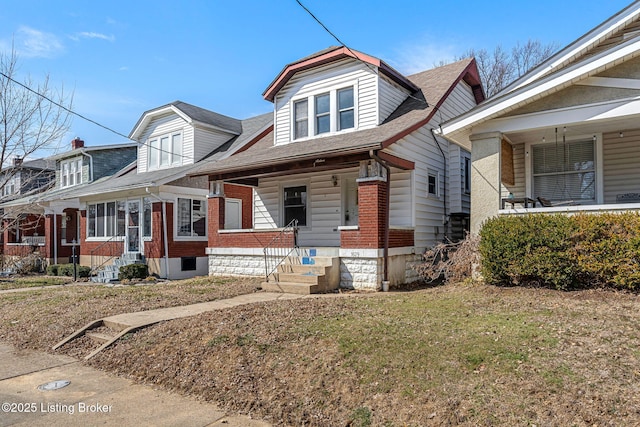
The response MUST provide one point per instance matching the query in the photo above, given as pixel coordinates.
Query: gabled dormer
(337, 90)
(180, 134)
(83, 165)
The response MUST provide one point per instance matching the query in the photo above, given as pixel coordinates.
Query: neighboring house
(152, 211)
(567, 131)
(21, 179)
(352, 158)
(55, 212)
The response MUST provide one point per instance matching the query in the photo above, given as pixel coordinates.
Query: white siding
(205, 141)
(324, 206)
(420, 147)
(621, 172)
(323, 79)
(163, 125)
(400, 212)
(391, 96)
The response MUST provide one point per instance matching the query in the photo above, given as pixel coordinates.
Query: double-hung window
(345, 109)
(71, 172)
(301, 119)
(191, 217)
(565, 171)
(165, 151)
(323, 113)
(295, 205)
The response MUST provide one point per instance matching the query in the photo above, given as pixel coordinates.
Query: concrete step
(309, 277)
(99, 337)
(292, 288)
(115, 326)
(300, 269)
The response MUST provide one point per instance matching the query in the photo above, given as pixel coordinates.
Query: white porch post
(485, 177)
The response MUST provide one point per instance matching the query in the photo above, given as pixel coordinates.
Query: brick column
(372, 194)
(49, 237)
(215, 218)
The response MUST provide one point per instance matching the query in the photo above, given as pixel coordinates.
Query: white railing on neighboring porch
(572, 209)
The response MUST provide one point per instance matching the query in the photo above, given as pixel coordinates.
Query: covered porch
(544, 163)
(342, 208)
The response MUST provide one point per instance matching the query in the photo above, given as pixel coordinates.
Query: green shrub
(562, 252)
(52, 270)
(67, 270)
(133, 271)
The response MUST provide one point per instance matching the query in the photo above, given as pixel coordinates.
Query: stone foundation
(359, 268)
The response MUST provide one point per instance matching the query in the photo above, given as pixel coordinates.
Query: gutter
(385, 274)
(164, 231)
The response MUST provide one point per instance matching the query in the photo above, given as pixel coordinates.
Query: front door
(133, 226)
(350, 201)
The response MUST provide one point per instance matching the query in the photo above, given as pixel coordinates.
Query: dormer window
(323, 114)
(165, 151)
(301, 118)
(71, 172)
(345, 109)
(331, 112)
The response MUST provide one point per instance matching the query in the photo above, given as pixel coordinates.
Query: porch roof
(413, 113)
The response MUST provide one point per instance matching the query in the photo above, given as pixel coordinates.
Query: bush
(67, 270)
(31, 263)
(133, 271)
(562, 252)
(52, 270)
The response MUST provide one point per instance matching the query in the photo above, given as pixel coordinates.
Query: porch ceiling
(574, 129)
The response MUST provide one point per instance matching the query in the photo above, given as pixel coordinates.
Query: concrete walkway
(93, 397)
(149, 317)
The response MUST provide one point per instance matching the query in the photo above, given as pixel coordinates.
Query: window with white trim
(433, 183)
(9, 187)
(71, 172)
(467, 175)
(565, 170)
(324, 113)
(191, 218)
(295, 205)
(164, 150)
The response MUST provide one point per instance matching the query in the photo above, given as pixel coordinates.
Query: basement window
(188, 263)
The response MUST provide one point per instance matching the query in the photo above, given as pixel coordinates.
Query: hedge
(133, 271)
(67, 270)
(562, 252)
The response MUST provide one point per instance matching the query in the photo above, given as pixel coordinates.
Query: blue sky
(121, 58)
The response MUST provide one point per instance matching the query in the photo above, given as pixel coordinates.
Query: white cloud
(93, 35)
(418, 57)
(31, 43)
(123, 68)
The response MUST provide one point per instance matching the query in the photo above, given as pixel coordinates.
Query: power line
(348, 48)
(57, 104)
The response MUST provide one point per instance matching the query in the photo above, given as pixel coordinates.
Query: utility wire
(348, 48)
(57, 104)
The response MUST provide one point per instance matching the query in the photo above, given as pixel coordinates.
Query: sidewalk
(93, 397)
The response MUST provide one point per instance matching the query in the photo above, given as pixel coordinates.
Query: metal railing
(113, 247)
(33, 240)
(280, 247)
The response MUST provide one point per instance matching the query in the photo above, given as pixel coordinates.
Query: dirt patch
(451, 355)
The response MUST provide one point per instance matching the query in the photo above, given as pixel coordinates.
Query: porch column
(215, 218)
(372, 194)
(485, 177)
(50, 238)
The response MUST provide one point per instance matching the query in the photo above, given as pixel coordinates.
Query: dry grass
(452, 355)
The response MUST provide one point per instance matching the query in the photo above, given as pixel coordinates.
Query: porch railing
(32, 240)
(113, 249)
(280, 247)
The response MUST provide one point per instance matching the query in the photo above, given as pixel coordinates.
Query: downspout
(445, 220)
(385, 250)
(90, 165)
(164, 231)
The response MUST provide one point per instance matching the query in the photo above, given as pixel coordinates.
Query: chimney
(17, 161)
(76, 143)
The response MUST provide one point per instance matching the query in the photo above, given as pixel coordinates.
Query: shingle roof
(434, 85)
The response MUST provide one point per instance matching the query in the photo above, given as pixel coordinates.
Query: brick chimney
(17, 161)
(76, 143)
